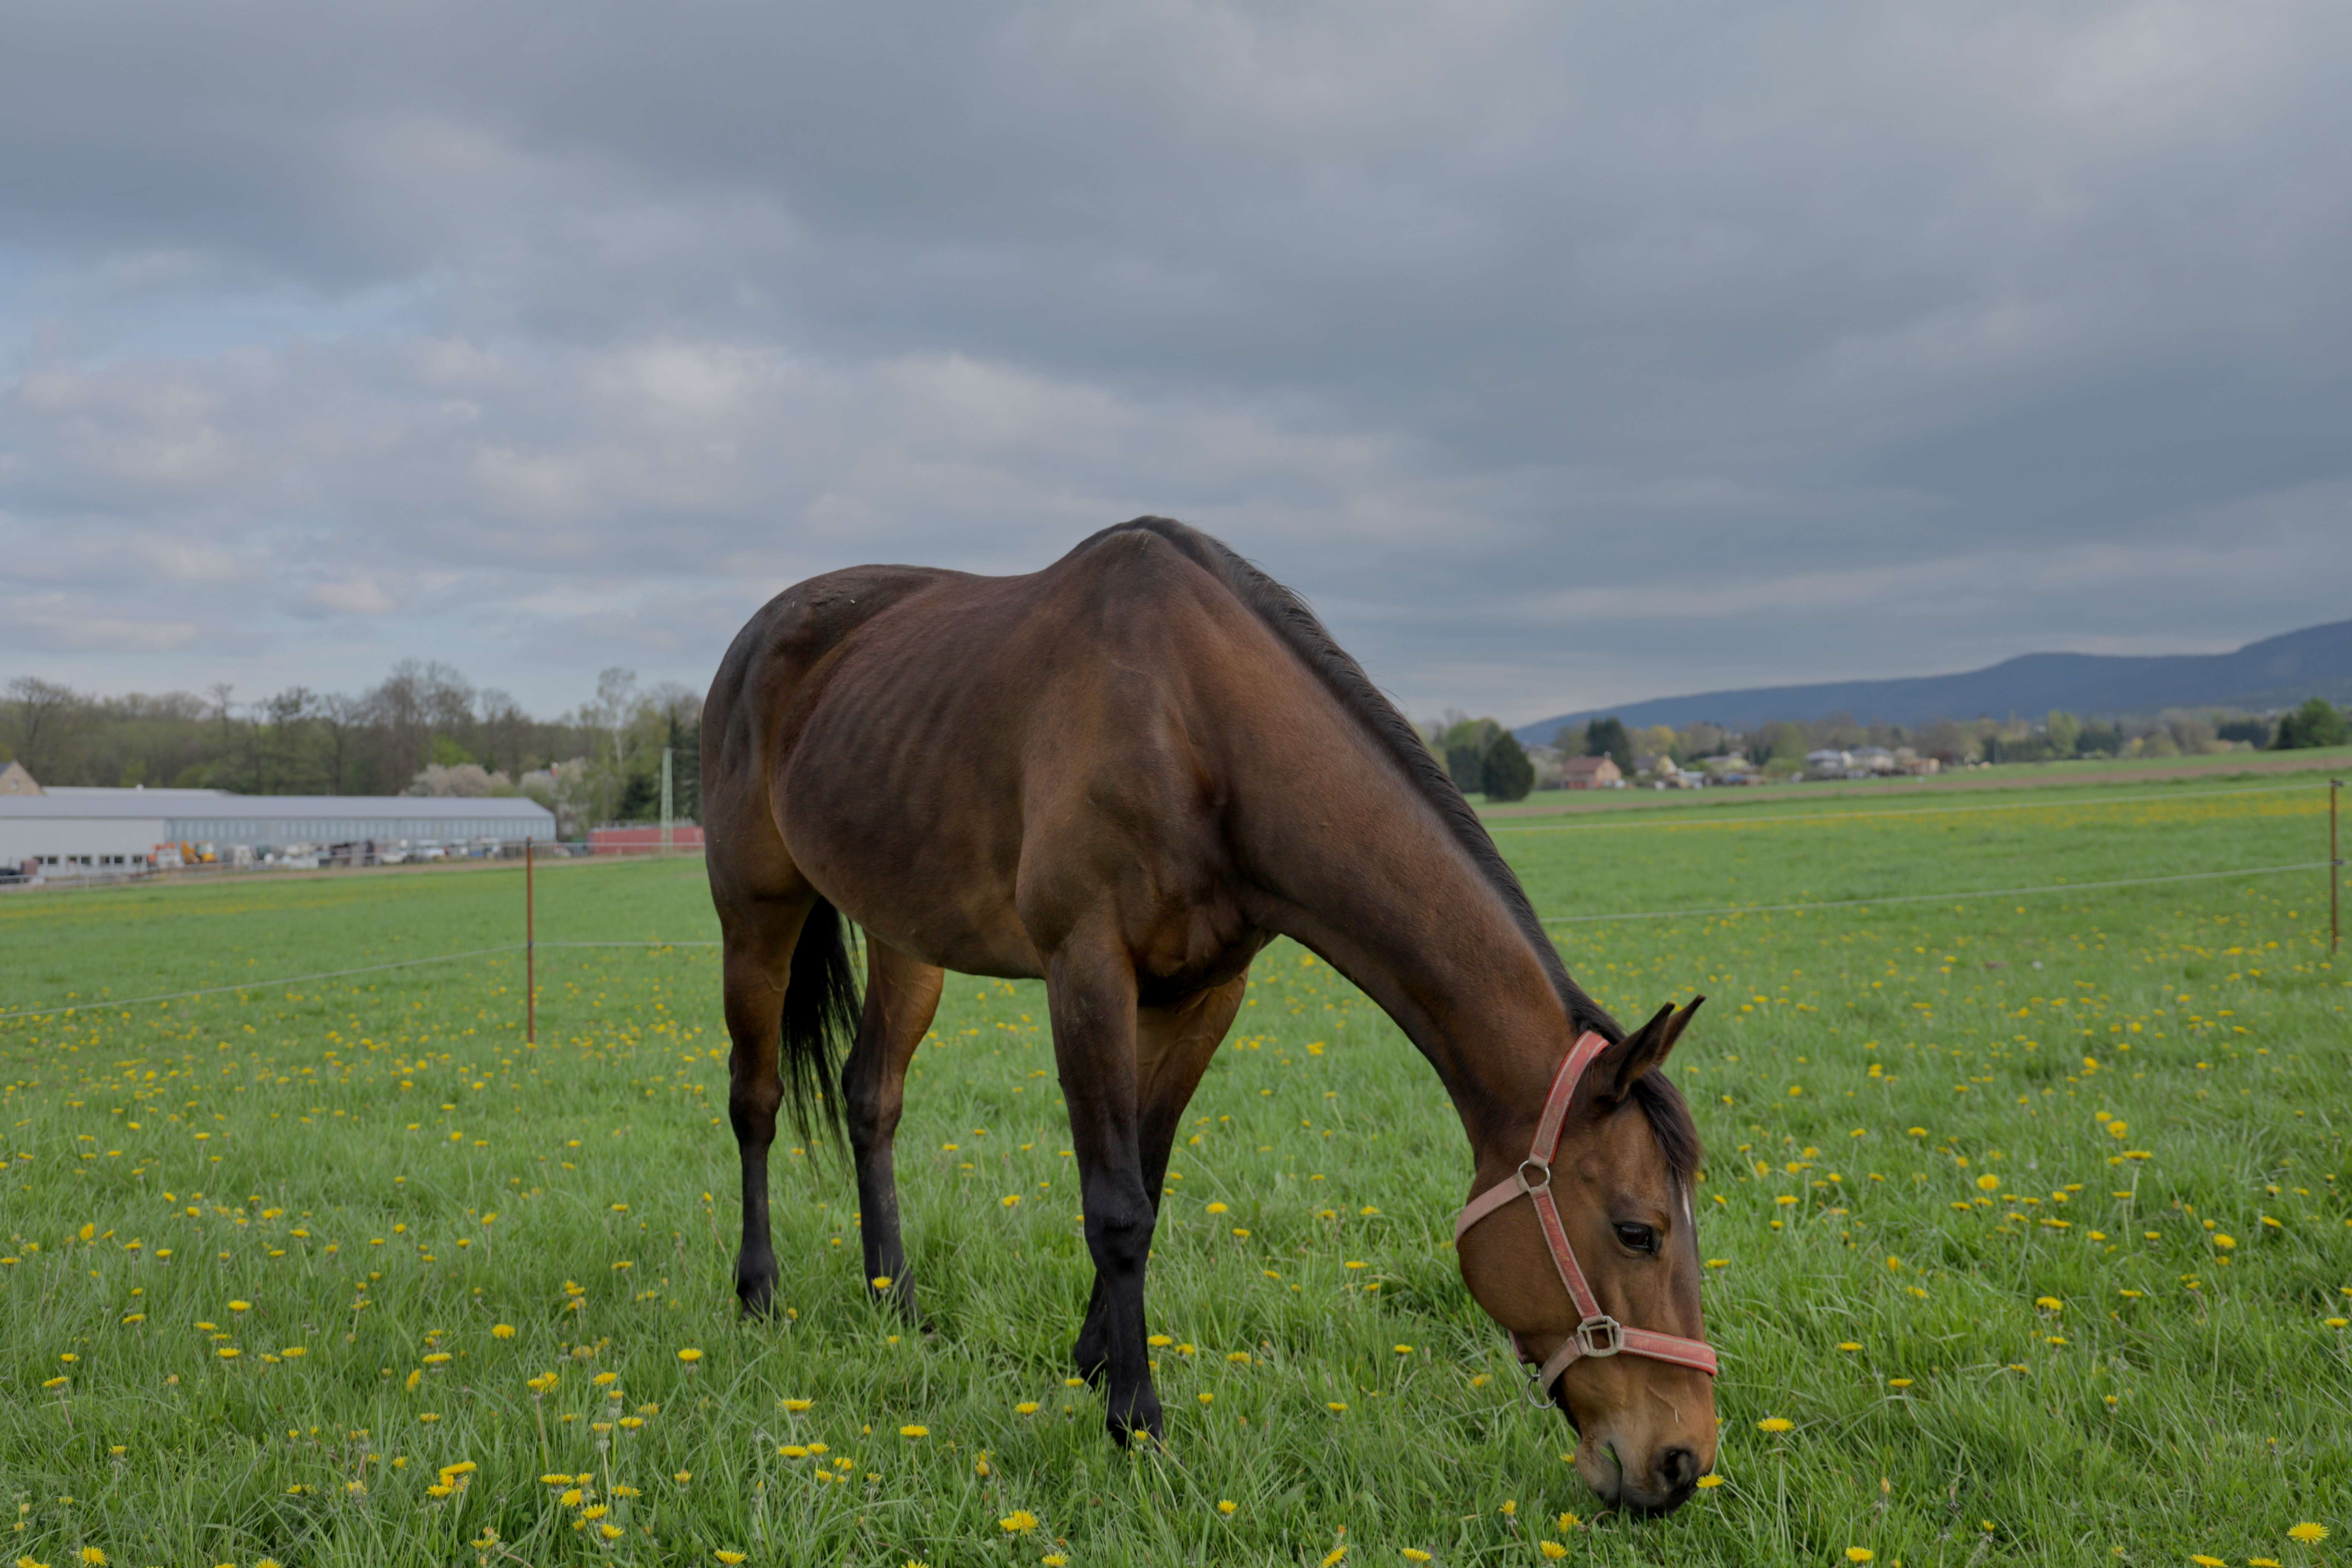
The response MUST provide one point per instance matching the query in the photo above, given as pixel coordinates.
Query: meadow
(2025, 1219)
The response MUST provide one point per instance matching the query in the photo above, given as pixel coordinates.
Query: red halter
(1597, 1334)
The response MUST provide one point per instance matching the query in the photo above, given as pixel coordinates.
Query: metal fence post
(530, 947)
(666, 815)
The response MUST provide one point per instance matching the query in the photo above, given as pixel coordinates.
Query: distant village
(1487, 759)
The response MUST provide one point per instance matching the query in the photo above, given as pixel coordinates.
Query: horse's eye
(1640, 1238)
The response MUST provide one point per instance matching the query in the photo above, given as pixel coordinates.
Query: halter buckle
(1600, 1336)
(1533, 1187)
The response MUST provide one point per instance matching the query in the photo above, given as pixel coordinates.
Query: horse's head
(1621, 1185)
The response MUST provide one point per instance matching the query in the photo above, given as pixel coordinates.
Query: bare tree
(616, 690)
(342, 718)
(40, 719)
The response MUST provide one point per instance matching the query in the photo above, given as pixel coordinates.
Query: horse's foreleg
(1090, 994)
(759, 940)
(1173, 1046)
(901, 996)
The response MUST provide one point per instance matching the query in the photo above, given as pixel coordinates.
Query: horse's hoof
(1130, 1433)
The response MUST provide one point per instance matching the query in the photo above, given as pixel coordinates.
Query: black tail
(821, 1010)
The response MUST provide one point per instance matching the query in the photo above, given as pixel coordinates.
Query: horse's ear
(1615, 1070)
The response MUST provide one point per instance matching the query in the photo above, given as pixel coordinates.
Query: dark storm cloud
(1561, 356)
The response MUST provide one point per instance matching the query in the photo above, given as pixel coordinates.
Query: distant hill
(2276, 672)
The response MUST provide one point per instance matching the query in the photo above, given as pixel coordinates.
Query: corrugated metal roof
(90, 805)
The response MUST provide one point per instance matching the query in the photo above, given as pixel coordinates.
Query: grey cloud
(1561, 356)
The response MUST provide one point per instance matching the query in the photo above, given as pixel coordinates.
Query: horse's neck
(1385, 890)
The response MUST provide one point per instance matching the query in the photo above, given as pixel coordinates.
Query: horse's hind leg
(901, 996)
(759, 935)
(1173, 1046)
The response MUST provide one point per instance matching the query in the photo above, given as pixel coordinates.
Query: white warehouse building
(65, 831)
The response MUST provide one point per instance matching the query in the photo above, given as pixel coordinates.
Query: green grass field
(2025, 1214)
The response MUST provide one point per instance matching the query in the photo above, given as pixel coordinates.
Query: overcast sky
(1561, 355)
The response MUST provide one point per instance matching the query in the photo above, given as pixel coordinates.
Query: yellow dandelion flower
(1161, 1342)
(1988, 1182)
(1227, 1505)
(240, 1305)
(1026, 1407)
(1335, 1406)
(1403, 1350)
(1216, 1209)
(1775, 1423)
(1053, 1560)
(1850, 1346)
(502, 1331)
(914, 1431)
(1709, 1480)
(1859, 1554)
(1551, 1549)
(2309, 1533)
(2049, 1303)
(2202, 1560)
(1569, 1521)
(93, 1556)
(682, 1477)
(1415, 1554)
(228, 1353)
(1898, 1383)
(730, 1558)
(1010, 1200)
(1020, 1522)
(798, 1407)
(610, 1532)
(690, 1355)
(1337, 1555)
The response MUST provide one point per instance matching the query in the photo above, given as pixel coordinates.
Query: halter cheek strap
(1597, 1333)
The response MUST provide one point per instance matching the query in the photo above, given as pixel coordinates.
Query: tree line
(1484, 758)
(425, 729)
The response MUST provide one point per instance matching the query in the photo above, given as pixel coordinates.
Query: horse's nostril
(1678, 1467)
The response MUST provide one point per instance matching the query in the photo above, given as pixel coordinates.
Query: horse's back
(962, 763)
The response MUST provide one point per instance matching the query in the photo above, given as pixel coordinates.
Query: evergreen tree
(2319, 722)
(1508, 773)
(1607, 738)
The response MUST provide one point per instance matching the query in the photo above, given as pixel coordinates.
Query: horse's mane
(1288, 616)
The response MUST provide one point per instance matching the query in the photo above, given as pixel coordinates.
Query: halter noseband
(1597, 1334)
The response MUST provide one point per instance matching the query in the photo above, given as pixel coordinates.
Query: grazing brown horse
(1127, 773)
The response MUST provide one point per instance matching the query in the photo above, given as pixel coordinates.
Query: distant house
(1828, 764)
(1591, 773)
(1873, 760)
(14, 780)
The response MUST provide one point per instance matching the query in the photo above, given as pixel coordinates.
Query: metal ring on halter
(1600, 1336)
(1539, 1395)
(1528, 1187)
